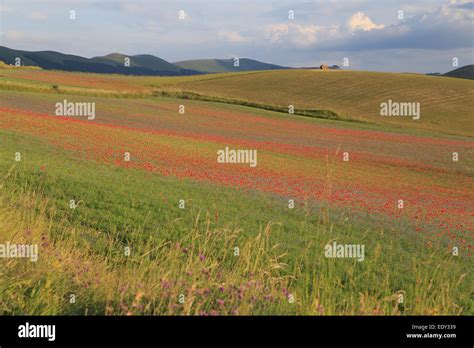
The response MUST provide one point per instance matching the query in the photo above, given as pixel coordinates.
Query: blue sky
(369, 33)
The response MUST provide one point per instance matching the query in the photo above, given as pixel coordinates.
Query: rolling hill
(465, 72)
(446, 104)
(226, 65)
(140, 61)
(110, 64)
(141, 64)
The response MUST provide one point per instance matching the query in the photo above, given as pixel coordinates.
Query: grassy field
(171, 231)
(446, 104)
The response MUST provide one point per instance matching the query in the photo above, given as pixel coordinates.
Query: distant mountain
(145, 61)
(226, 65)
(142, 64)
(465, 72)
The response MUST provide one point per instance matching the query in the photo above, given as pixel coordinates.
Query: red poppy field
(406, 195)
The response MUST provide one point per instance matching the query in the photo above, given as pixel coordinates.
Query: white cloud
(231, 36)
(298, 35)
(276, 32)
(360, 21)
(459, 2)
(306, 35)
(448, 27)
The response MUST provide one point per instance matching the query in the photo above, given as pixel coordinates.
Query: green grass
(281, 250)
(326, 114)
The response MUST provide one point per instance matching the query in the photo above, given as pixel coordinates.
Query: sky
(379, 35)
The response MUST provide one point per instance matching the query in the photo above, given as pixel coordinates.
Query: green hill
(446, 104)
(146, 61)
(44, 59)
(111, 64)
(465, 72)
(226, 65)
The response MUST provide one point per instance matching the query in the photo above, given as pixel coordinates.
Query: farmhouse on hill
(326, 67)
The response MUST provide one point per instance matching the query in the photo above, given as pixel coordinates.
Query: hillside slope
(465, 72)
(146, 61)
(111, 64)
(226, 65)
(446, 104)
